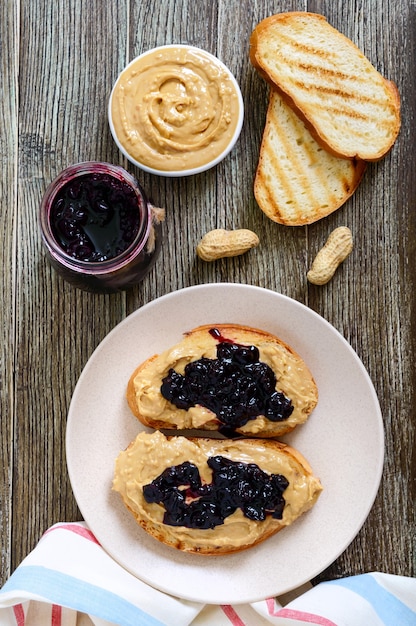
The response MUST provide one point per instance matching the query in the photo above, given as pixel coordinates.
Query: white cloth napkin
(69, 580)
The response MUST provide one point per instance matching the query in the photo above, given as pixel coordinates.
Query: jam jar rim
(80, 169)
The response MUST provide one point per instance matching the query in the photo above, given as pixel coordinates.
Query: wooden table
(59, 60)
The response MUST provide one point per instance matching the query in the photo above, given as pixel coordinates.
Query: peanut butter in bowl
(176, 110)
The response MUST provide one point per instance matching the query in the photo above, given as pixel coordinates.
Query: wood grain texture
(8, 208)
(58, 62)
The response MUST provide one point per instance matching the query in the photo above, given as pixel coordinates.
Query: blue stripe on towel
(387, 606)
(76, 594)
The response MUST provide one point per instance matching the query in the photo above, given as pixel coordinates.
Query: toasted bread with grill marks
(351, 109)
(297, 181)
(151, 454)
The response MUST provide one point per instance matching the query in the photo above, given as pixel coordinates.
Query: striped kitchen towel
(69, 580)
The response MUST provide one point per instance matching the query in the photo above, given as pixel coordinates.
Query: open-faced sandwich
(224, 377)
(213, 496)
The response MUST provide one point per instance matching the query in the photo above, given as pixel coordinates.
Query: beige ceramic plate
(335, 440)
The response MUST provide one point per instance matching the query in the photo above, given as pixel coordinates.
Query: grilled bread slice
(263, 395)
(214, 508)
(297, 181)
(350, 107)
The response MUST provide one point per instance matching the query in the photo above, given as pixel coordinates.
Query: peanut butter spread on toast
(149, 454)
(293, 380)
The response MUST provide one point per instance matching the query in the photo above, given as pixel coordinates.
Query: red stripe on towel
(56, 617)
(19, 614)
(75, 528)
(232, 615)
(300, 616)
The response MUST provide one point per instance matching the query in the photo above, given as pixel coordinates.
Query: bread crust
(307, 109)
(213, 543)
(303, 389)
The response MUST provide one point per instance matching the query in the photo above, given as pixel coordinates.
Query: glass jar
(99, 230)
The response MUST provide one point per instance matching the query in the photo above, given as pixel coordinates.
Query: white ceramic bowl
(188, 168)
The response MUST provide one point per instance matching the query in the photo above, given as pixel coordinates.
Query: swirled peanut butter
(293, 380)
(175, 108)
(150, 454)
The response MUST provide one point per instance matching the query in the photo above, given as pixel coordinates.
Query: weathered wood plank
(69, 56)
(8, 215)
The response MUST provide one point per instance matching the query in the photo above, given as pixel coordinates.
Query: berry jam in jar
(99, 230)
